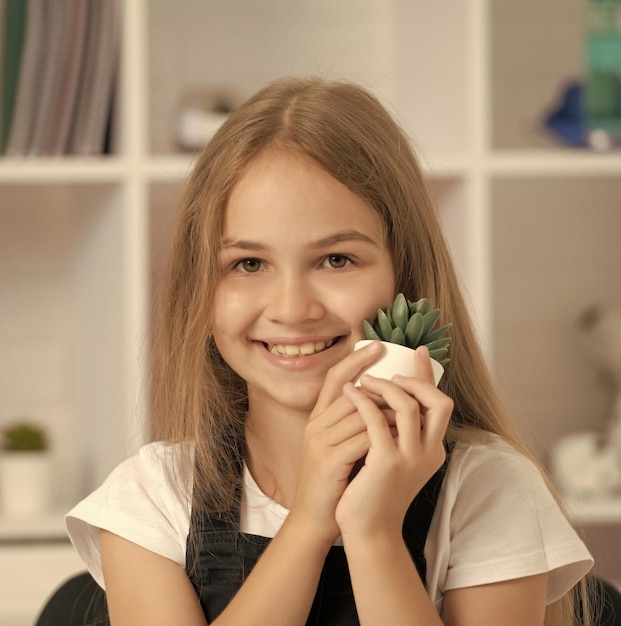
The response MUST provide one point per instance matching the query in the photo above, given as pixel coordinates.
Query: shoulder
(146, 500)
(488, 480)
(481, 450)
(484, 460)
(160, 471)
(160, 464)
(497, 519)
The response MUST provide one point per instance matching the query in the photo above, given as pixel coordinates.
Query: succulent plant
(410, 324)
(24, 437)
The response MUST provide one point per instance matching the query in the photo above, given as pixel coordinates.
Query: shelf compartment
(64, 339)
(556, 252)
(384, 45)
(536, 50)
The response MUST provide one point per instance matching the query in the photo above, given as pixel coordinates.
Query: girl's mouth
(303, 349)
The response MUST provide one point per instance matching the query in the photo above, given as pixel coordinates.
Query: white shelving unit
(81, 240)
(595, 512)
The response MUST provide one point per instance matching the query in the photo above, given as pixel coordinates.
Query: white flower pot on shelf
(396, 359)
(25, 483)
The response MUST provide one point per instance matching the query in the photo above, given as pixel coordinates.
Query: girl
(305, 213)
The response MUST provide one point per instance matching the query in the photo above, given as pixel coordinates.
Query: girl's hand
(335, 438)
(396, 467)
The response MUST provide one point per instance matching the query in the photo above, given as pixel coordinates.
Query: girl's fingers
(341, 431)
(380, 432)
(422, 365)
(354, 448)
(430, 398)
(344, 371)
(422, 410)
(406, 410)
(338, 409)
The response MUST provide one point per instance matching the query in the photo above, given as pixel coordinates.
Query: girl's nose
(292, 300)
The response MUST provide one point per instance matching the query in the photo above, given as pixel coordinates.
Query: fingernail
(373, 347)
(423, 351)
(367, 378)
(397, 378)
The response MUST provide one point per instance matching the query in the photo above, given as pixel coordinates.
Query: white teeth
(305, 349)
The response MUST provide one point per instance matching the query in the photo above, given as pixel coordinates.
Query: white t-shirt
(495, 519)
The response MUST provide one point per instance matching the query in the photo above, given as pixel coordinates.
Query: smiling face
(304, 261)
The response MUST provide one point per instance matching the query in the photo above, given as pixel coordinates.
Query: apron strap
(419, 515)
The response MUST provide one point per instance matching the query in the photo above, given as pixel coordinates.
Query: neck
(274, 441)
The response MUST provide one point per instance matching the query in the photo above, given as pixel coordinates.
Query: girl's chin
(300, 403)
(299, 400)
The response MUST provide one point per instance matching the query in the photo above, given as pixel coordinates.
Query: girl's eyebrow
(325, 242)
(342, 237)
(242, 244)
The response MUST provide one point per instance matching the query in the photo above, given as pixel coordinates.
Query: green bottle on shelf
(602, 101)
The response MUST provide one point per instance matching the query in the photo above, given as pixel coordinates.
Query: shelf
(62, 170)
(560, 163)
(176, 167)
(173, 167)
(49, 527)
(596, 511)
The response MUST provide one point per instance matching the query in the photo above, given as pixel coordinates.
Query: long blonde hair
(346, 130)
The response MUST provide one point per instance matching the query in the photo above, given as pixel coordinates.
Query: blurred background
(515, 109)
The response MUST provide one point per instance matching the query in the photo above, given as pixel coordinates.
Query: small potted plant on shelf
(24, 470)
(404, 327)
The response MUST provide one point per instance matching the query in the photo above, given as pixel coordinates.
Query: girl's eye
(248, 266)
(338, 261)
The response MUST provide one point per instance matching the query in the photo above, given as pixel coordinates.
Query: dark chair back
(79, 601)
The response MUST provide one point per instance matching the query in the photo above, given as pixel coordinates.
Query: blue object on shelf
(567, 121)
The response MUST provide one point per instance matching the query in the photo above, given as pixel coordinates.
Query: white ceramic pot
(396, 359)
(25, 483)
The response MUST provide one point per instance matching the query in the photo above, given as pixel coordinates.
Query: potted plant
(404, 327)
(24, 470)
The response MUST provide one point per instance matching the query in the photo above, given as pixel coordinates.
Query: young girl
(306, 212)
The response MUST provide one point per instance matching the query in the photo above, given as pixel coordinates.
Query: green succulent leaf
(436, 354)
(369, 331)
(385, 327)
(430, 319)
(400, 312)
(410, 324)
(436, 334)
(439, 344)
(397, 336)
(423, 306)
(414, 330)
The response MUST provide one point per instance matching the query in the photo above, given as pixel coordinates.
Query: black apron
(219, 558)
